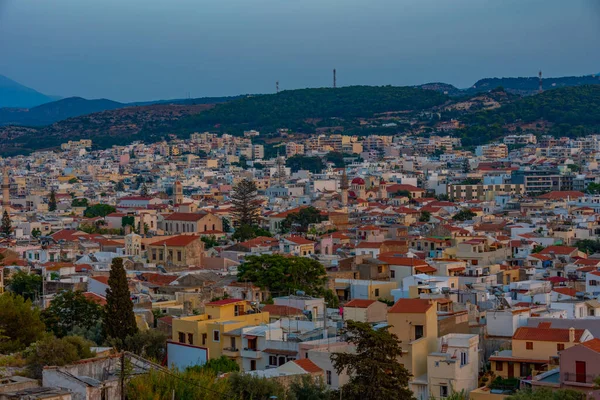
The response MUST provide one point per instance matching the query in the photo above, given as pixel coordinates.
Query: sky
(137, 50)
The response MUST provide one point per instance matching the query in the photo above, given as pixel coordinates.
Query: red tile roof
(157, 279)
(561, 250)
(308, 366)
(546, 334)
(565, 291)
(593, 345)
(223, 302)
(100, 278)
(299, 240)
(176, 241)
(278, 310)
(411, 306)
(189, 217)
(359, 303)
(571, 194)
(95, 298)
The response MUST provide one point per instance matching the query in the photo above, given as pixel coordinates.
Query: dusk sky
(134, 50)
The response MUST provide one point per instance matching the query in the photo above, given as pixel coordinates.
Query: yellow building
(534, 348)
(414, 321)
(215, 328)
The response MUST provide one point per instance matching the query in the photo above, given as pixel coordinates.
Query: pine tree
(52, 201)
(246, 205)
(6, 227)
(119, 319)
(144, 190)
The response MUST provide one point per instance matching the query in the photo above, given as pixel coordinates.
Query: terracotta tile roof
(308, 366)
(188, 217)
(279, 310)
(157, 279)
(369, 245)
(561, 250)
(593, 345)
(397, 187)
(100, 278)
(359, 303)
(425, 269)
(223, 302)
(393, 258)
(95, 298)
(411, 306)
(565, 291)
(572, 194)
(299, 240)
(176, 241)
(546, 334)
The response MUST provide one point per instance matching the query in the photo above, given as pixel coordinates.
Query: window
(181, 337)
(593, 283)
(418, 331)
(204, 337)
(379, 269)
(216, 336)
(529, 345)
(464, 358)
(281, 360)
(232, 343)
(376, 292)
(252, 365)
(499, 366)
(178, 255)
(560, 346)
(329, 377)
(443, 391)
(273, 361)
(393, 273)
(190, 338)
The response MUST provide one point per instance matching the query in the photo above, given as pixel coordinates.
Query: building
(370, 311)
(182, 250)
(192, 223)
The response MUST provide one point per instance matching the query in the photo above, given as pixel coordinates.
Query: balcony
(231, 352)
(251, 353)
(574, 379)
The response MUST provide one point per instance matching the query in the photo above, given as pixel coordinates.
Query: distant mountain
(59, 110)
(13, 94)
(530, 85)
(49, 113)
(441, 87)
(105, 128)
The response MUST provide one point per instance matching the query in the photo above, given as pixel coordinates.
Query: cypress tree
(52, 201)
(6, 226)
(119, 319)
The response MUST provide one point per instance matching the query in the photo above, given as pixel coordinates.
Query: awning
(250, 337)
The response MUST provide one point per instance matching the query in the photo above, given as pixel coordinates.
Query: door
(511, 370)
(580, 372)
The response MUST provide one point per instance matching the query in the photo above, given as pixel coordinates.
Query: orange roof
(177, 241)
(299, 240)
(369, 245)
(359, 303)
(572, 194)
(546, 334)
(157, 279)
(223, 302)
(562, 250)
(411, 306)
(100, 278)
(593, 345)
(95, 298)
(425, 269)
(308, 365)
(394, 258)
(566, 291)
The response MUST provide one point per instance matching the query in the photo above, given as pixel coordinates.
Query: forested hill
(570, 111)
(303, 110)
(530, 85)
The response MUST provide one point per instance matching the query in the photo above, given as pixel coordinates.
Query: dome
(358, 181)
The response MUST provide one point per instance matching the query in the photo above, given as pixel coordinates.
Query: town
(279, 265)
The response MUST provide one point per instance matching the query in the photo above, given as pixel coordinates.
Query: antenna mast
(334, 79)
(277, 86)
(540, 75)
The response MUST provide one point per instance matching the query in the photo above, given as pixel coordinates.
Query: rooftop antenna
(277, 86)
(334, 79)
(540, 75)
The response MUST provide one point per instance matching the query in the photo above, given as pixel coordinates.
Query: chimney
(571, 335)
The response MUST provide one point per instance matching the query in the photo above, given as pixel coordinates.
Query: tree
(299, 222)
(425, 216)
(466, 166)
(218, 366)
(247, 232)
(144, 190)
(308, 389)
(6, 226)
(251, 387)
(99, 210)
(36, 233)
(374, 370)
(246, 205)
(283, 275)
(119, 319)
(68, 310)
(226, 225)
(537, 248)
(127, 220)
(27, 285)
(120, 186)
(79, 202)
(210, 241)
(56, 352)
(588, 246)
(73, 181)
(20, 323)
(547, 394)
(52, 201)
(300, 162)
(150, 344)
(464, 215)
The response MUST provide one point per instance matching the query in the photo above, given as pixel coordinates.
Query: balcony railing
(231, 352)
(251, 353)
